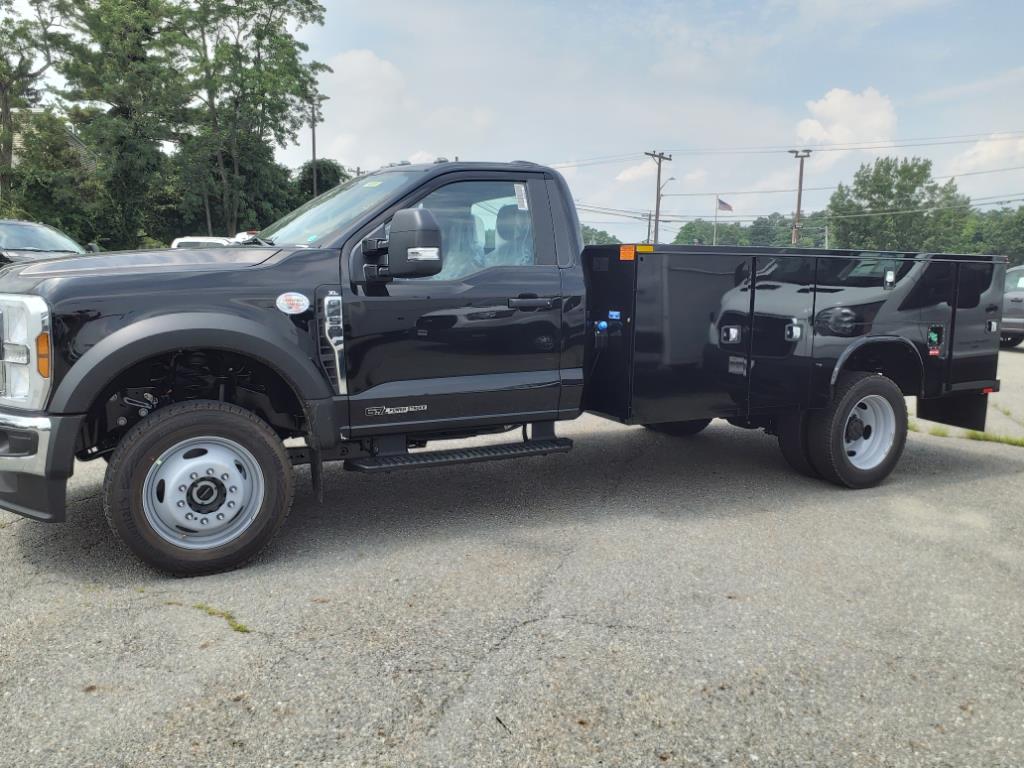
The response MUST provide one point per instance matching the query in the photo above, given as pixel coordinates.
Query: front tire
(858, 439)
(198, 487)
(680, 428)
(1009, 340)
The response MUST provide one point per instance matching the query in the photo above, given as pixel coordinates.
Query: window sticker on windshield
(521, 197)
(376, 183)
(1020, 282)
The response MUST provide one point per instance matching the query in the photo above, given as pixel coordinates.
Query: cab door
(480, 342)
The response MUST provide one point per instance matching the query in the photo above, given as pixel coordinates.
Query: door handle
(1017, 301)
(531, 303)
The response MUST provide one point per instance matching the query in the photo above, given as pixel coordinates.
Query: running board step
(460, 455)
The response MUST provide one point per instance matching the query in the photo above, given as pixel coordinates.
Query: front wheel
(680, 428)
(198, 487)
(858, 439)
(1010, 340)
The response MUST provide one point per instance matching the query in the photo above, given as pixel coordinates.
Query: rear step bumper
(460, 455)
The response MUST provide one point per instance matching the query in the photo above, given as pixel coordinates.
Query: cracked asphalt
(641, 601)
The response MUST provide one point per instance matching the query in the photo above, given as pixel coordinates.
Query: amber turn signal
(43, 355)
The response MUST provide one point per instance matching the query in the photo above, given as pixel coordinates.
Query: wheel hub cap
(203, 492)
(870, 432)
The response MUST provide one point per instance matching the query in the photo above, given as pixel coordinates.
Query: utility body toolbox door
(782, 331)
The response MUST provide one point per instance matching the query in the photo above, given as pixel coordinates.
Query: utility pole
(312, 123)
(648, 240)
(801, 155)
(659, 158)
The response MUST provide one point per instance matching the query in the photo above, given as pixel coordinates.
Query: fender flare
(103, 362)
(867, 341)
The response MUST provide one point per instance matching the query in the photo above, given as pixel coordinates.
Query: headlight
(25, 370)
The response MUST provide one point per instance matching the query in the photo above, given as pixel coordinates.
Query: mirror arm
(374, 246)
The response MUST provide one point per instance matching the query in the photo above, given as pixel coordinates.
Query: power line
(833, 188)
(884, 143)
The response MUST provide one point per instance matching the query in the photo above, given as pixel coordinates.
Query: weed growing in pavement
(229, 617)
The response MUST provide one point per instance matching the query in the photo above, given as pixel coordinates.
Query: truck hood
(140, 262)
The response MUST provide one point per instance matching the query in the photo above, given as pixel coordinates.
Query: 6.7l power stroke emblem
(388, 410)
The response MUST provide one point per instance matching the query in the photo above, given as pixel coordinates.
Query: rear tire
(791, 430)
(858, 439)
(680, 428)
(198, 487)
(1009, 341)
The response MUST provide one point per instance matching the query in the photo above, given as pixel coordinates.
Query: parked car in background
(200, 241)
(1013, 309)
(29, 241)
(211, 241)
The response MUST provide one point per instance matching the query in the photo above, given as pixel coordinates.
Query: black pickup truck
(423, 303)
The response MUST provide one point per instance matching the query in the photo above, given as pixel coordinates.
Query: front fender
(103, 362)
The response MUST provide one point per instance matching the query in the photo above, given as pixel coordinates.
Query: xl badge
(389, 410)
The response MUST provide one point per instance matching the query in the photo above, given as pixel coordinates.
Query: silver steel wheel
(203, 493)
(870, 432)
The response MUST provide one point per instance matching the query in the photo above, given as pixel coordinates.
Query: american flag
(722, 205)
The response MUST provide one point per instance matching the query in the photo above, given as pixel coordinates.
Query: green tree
(592, 236)
(248, 77)
(121, 66)
(54, 181)
(329, 174)
(702, 232)
(26, 54)
(895, 204)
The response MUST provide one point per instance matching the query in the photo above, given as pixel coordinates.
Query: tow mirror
(414, 244)
(92, 248)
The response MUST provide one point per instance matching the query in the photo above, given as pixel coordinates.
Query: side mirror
(92, 248)
(414, 244)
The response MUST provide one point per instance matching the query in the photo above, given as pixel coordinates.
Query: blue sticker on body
(614, 314)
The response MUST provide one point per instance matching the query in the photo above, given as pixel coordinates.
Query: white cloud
(844, 117)
(644, 170)
(696, 176)
(997, 151)
(859, 13)
(1009, 79)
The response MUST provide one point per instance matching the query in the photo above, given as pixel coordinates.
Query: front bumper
(37, 456)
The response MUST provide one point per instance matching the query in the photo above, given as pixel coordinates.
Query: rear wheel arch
(892, 356)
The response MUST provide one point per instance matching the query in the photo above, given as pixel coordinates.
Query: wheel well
(893, 359)
(189, 374)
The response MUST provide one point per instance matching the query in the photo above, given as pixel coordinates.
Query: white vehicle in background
(211, 241)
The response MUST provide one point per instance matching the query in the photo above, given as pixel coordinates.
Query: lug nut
(181, 504)
(220, 515)
(189, 516)
(194, 476)
(233, 489)
(209, 471)
(224, 477)
(204, 521)
(231, 505)
(182, 488)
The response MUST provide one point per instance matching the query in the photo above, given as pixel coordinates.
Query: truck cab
(423, 303)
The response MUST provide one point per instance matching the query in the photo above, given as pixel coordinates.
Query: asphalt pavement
(641, 601)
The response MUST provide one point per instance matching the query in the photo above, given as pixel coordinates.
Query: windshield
(25, 236)
(335, 209)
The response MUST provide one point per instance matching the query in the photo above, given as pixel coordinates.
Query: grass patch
(229, 617)
(986, 437)
(913, 426)
(939, 431)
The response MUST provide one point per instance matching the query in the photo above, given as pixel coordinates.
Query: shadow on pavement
(611, 472)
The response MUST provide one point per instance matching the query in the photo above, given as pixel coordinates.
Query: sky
(564, 83)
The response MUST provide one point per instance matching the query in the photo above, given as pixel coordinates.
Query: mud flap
(966, 410)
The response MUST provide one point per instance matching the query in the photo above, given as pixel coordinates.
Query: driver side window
(483, 224)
